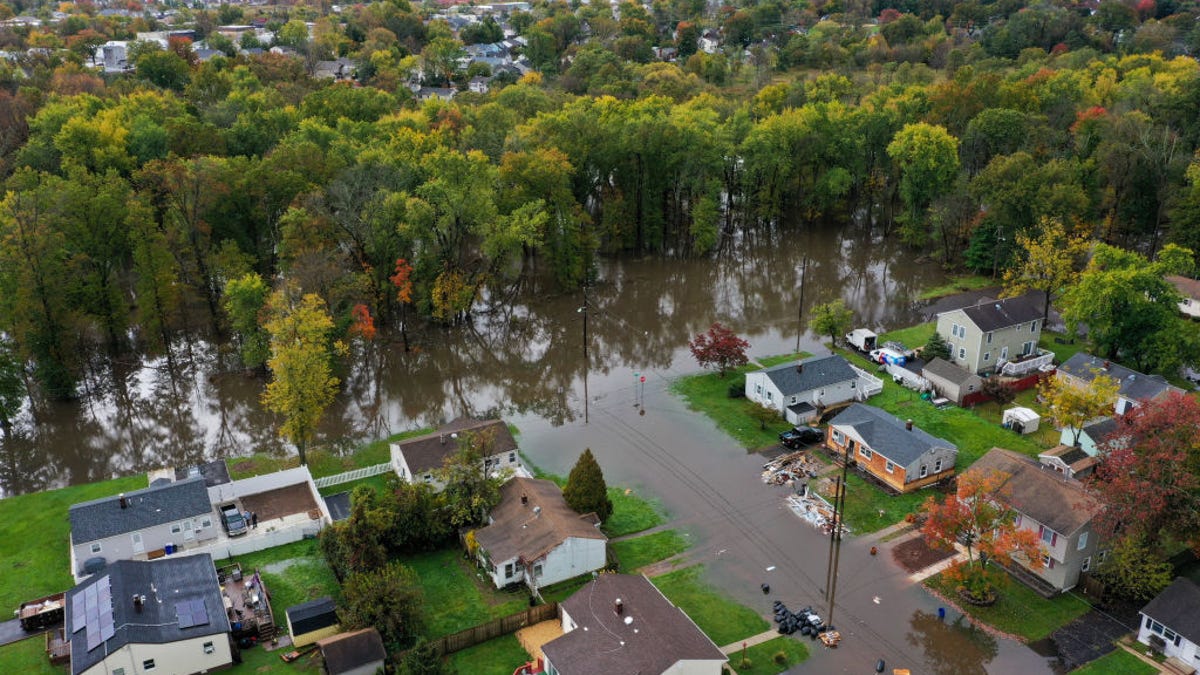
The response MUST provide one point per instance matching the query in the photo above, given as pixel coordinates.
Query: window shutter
(1053, 538)
(1041, 529)
(1176, 640)
(1052, 563)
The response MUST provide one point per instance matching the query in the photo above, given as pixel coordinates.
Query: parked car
(888, 356)
(799, 437)
(233, 520)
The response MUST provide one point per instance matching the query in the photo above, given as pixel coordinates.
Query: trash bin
(169, 549)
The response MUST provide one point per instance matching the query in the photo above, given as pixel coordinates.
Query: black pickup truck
(799, 437)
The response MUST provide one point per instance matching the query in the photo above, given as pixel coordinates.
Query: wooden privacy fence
(494, 629)
(355, 474)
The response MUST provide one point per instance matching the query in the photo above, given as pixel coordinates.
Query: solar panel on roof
(78, 613)
(106, 627)
(93, 636)
(199, 612)
(183, 613)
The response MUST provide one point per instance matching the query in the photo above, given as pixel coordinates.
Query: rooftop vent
(619, 607)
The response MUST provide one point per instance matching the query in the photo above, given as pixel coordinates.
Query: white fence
(260, 541)
(868, 384)
(1028, 364)
(356, 474)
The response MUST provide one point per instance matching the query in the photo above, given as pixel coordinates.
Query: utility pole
(839, 507)
(800, 308)
(586, 360)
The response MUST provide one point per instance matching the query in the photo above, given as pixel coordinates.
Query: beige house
(1189, 292)
(1134, 388)
(986, 336)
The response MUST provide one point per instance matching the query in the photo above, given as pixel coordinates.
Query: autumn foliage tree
(1048, 262)
(719, 347)
(1074, 406)
(976, 517)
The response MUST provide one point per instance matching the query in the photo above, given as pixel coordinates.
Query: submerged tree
(719, 347)
(243, 301)
(832, 319)
(586, 491)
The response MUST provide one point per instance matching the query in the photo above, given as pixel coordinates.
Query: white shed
(1021, 420)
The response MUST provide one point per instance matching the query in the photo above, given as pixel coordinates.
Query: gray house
(803, 389)
(1135, 388)
(985, 336)
(951, 381)
(134, 525)
(1054, 506)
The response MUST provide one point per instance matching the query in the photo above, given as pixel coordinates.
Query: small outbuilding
(312, 620)
(953, 382)
(1021, 420)
(358, 652)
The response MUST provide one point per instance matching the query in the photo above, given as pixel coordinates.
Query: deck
(247, 603)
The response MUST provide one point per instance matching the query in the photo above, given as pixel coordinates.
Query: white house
(130, 525)
(163, 616)
(803, 389)
(417, 460)
(1189, 291)
(534, 537)
(1134, 387)
(621, 623)
(1171, 623)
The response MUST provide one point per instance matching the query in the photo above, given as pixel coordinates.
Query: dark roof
(1079, 461)
(312, 615)
(430, 451)
(1100, 430)
(173, 580)
(811, 373)
(1133, 385)
(802, 408)
(656, 636)
(1045, 495)
(887, 435)
(346, 651)
(996, 314)
(338, 505)
(1178, 608)
(517, 531)
(103, 518)
(215, 473)
(948, 371)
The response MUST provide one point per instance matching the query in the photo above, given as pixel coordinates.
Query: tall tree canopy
(586, 491)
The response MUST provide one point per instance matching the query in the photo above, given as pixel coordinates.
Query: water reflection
(520, 353)
(951, 648)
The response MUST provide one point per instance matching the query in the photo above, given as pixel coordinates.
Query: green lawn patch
(762, 656)
(780, 359)
(632, 513)
(723, 620)
(865, 501)
(260, 661)
(709, 394)
(28, 657)
(957, 284)
(912, 337)
(641, 551)
(1063, 350)
(321, 462)
(564, 589)
(494, 657)
(35, 550)
(1118, 662)
(1018, 610)
(293, 573)
(377, 483)
(458, 595)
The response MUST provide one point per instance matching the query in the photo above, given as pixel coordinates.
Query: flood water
(523, 359)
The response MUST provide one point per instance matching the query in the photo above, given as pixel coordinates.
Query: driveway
(744, 535)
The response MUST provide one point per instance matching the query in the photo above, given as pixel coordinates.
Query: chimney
(124, 501)
(619, 607)
(799, 367)
(1105, 365)
(524, 499)
(908, 425)
(138, 601)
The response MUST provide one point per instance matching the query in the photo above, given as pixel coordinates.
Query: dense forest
(176, 196)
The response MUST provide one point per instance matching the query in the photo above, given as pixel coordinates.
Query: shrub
(781, 658)
(737, 388)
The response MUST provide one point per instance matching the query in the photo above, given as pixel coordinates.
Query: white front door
(138, 546)
(1004, 354)
(188, 534)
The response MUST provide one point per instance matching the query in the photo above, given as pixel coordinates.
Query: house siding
(975, 342)
(183, 657)
(1186, 651)
(1068, 557)
(572, 558)
(120, 547)
(877, 464)
(772, 397)
(953, 390)
(695, 667)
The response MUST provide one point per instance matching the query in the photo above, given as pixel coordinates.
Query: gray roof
(1178, 608)
(1133, 385)
(996, 314)
(172, 580)
(1100, 430)
(811, 373)
(215, 473)
(103, 518)
(887, 435)
(948, 371)
(657, 636)
(345, 652)
(1045, 495)
(430, 451)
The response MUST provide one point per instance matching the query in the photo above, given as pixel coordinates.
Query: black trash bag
(804, 630)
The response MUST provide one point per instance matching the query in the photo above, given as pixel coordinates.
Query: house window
(508, 570)
(987, 356)
(1017, 520)
(852, 383)
(864, 451)
(1082, 542)
(1026, 348)
(1087, 564)
(770, 396)
(890, 467)
(1049, 536)
(1047, 561)
(95, 548)
(537, 570)
(962, 352)
(118, 671)
(924, 471)
(207, 522)
(1103, 555)
(1033, 326)
(176, 528)
(793, 400)
(937, 466)
(1168, 634)
(758, 389)
(837, 437)
(1004, 353)
(148, 664)
(428, 478)
(208, 647)
(512, 457)
(989, 339)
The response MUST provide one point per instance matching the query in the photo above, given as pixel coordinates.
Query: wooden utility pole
(800, 308)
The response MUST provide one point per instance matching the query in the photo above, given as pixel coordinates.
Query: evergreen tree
(586, 490)
(936, 348)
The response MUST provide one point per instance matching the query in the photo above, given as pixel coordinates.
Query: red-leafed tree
(402, 280)
(362, 324)
(978, 517)
(720, 348)
(1150, 476)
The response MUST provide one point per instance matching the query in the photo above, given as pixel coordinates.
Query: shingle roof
(996, 314)
(1076, 458)
(649, 636)
(1133, 385)
(1178, 608)
(430, 451)
(171, 580)
(517, 532)
(948, 371)
(346, 651)
(1188, 288)
(1045, 495)
(811, 373)
(312, 615)
(887, 435)
(1100, 430)
(103, 518)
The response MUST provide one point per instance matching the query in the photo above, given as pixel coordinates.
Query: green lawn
(494, 657)
(641, 551)
(780, 359)
(564, 589)
(35, 550)
(709, 394)
(458, 595)
(28, 657)
(958, 284)
(1018, 610)
(762, 656)
(377, 483)
(1118, 662)
(720, 618)
(259, 661)
(1062, 352)
(864, 501)
(294, 573)
(320, 462)
(631, 513)
(912, 337)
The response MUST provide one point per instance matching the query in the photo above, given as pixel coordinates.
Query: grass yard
(780, 359)
(494, 657)
(28, 657)
(321, 462)
(723, 620)
(293, 573)
(709, 394)
(457, 595)
(35, 551)
(958, 284)
(864, 501)
(260, 661)
(632, 513)
(1018, 610)
(762, 656)
(564, 589)
(377, 483)
(641, 551)
(912, 337)
(1118, 662)
(1062, 350)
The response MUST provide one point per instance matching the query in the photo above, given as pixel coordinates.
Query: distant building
(417, 460)
(985, 336)
(1170, 624)
(1134, 388)
(1189, 290)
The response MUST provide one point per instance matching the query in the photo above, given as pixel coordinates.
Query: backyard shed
(1021, 420)
(359, 652)
(312, 620)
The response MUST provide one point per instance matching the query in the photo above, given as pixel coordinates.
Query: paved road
(11, 631)
(744, 534)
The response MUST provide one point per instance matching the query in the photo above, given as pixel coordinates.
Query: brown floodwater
(522, 358)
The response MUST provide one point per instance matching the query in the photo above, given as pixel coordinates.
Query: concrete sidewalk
(751, 641)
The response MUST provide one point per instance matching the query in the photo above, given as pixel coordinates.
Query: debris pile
(806, 622)
(814, 510)
(790, 467)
